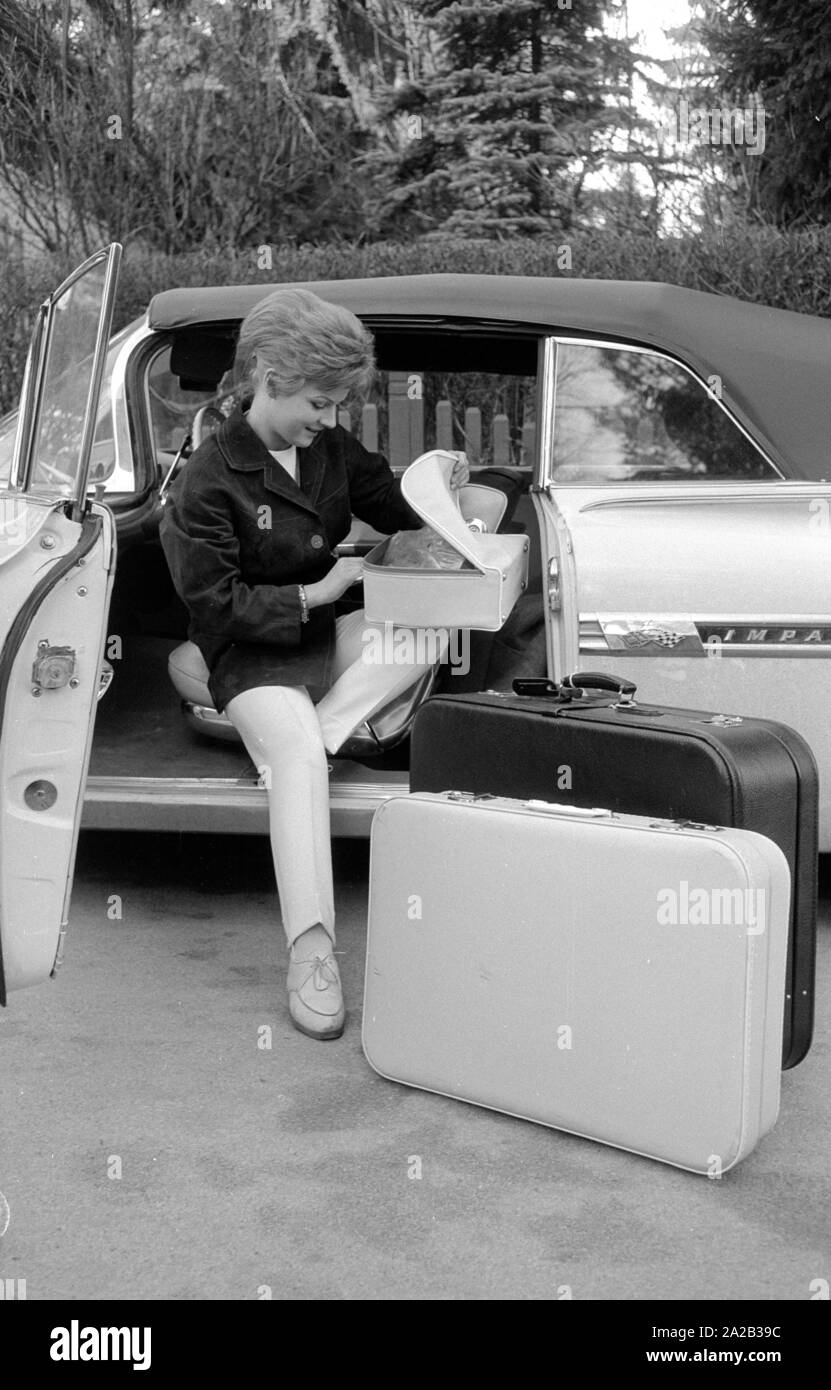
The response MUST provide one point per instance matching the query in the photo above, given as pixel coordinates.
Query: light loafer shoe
(315, 996)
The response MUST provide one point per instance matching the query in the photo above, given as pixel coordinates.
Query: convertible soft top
(774, 365)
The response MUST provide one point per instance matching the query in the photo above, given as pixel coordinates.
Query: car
(665, 451)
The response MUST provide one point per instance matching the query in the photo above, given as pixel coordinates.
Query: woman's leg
(279, 728)
(374, 662)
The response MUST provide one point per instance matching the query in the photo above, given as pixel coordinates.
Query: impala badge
(670, 632)
(650, 632)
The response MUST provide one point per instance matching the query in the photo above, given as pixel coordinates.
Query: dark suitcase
(577, 744)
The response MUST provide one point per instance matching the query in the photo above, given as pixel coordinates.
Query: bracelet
(304, 604)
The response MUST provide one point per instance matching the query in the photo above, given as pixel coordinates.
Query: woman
(249, 530)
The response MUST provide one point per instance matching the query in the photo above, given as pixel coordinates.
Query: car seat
(386, 728)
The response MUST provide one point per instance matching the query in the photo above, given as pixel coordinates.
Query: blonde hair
(302, 338)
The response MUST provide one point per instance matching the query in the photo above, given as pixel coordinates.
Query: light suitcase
(482, 593)
(613, 976)
(595, 744)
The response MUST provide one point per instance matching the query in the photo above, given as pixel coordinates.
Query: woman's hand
(341, 576)
(461, 469)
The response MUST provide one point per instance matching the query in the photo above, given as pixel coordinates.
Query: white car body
(702, 578)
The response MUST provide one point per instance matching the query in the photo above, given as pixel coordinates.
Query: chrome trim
(732, 492)
(29, 399)
(111, 255)
(205, 720)
(593, 636)
(555, 598)
(548, 394)
(206, 714)
(591, 631)
(227, 806)
(769, 649)
(118, 402)
(640, 634)
(737, 619)
(184, 789)
(105, 679)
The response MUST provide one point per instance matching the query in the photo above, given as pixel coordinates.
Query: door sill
(238, 806)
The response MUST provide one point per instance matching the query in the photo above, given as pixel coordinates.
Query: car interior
(440, 385)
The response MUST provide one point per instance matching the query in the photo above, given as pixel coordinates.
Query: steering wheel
(206, 421)
(50, 474)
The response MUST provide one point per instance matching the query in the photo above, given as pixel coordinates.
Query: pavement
(165, 1134)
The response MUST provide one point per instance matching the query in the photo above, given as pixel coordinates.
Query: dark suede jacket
(240, 535)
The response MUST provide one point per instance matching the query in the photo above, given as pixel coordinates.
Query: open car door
(57, 557)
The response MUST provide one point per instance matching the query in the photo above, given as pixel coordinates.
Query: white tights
(287, 738)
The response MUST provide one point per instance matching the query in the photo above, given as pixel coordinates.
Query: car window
(172, 408)
(59, 425)
(490, 415)
(120, 474)
(626, 416)
(8, 430)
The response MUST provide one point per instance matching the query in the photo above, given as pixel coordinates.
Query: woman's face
(297, 419)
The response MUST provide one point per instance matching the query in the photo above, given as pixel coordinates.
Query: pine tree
(498, 139)
(777, 55)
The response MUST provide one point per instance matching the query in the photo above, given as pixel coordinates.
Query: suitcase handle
(596, 680)
(573, 686)
(536, 685)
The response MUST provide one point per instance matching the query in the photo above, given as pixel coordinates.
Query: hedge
(789, 270)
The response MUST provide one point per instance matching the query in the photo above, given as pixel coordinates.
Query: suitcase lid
(425, 485)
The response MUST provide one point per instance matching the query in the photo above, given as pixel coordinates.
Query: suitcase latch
(696, 825)
(724, 720)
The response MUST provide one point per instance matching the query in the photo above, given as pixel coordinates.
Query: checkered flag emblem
(662, 636)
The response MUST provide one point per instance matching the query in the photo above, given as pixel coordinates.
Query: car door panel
(707, 596)
(707, 586)
(46, 729)
(57, 557)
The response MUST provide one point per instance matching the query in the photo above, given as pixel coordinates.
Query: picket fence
(406, 430)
